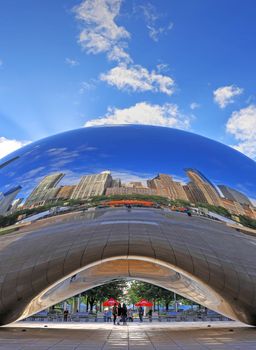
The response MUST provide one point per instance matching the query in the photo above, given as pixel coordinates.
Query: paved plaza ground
(159, 336)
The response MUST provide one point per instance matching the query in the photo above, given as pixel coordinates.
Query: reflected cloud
(180, 167)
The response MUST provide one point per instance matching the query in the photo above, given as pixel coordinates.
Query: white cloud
(194, 105)
(242, 125)
(138, 78)
(71, 62)
(100, 32)
(225, 95)
(7, 146)
(151, 18)
(155, 32)
(144, 113)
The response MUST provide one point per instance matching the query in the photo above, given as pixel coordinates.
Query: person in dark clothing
(119, 313)
(65, 315)
(141, 312)
(150, 315)
(124, 313)
(114, 313)
(189, 212)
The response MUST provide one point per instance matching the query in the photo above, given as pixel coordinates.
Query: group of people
(121, 314)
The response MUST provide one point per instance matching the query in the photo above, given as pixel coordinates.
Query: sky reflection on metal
(131, 153)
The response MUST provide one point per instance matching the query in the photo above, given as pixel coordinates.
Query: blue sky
(188, 64)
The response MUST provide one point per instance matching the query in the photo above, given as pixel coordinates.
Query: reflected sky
(130, 152)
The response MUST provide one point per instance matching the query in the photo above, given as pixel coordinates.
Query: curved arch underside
(55, 258)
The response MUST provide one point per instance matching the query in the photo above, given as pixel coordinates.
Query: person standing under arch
(114, 313)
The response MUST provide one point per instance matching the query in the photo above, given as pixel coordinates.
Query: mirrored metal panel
(141, 195)
(127, 160)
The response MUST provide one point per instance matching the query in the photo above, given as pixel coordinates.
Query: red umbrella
(144, 302)
(110, 302)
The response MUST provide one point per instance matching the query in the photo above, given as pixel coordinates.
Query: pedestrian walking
(65, 315)
(124, 314)
(141, 313)
(114, 313)
(109, 314)
(119, 313)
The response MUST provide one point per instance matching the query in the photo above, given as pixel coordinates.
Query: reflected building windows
(202, 189)
(92, 185)
(7, 198)
(45, 191)
(165, 186)
(234, 195)
(65, 192)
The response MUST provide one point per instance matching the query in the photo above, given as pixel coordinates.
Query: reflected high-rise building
(92, 185)
(194, 193)
(234, 195)
(167, 187)
(116, 183)
(65, 192)
(201, 189)
(7, 198)
(233, 207)
(45, 191)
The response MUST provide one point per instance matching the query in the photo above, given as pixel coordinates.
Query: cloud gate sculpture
(165, 206)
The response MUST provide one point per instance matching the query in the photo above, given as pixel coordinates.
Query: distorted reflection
(127, 165)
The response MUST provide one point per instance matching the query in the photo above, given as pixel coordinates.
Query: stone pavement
(159, 336)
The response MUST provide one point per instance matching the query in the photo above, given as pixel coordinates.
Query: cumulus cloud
(71, 62)
(242, 125)
(224, 95)
(145, 113)
(100, 32)
(7, 146)
(138, 78)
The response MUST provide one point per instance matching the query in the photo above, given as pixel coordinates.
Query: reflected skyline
(198, 190)
(142, 160)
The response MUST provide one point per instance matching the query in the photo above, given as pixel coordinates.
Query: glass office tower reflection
(138, 178)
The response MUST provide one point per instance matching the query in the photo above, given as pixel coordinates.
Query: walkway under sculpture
(134, 336)
(55, 258)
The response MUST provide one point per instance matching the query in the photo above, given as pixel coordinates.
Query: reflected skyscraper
(92, 185)
(167, 187)
(234, 195)
(65, 192)
(202, 189)
(46, 190)
(7, 198)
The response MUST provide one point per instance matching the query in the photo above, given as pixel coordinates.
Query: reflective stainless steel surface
(91, 205)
